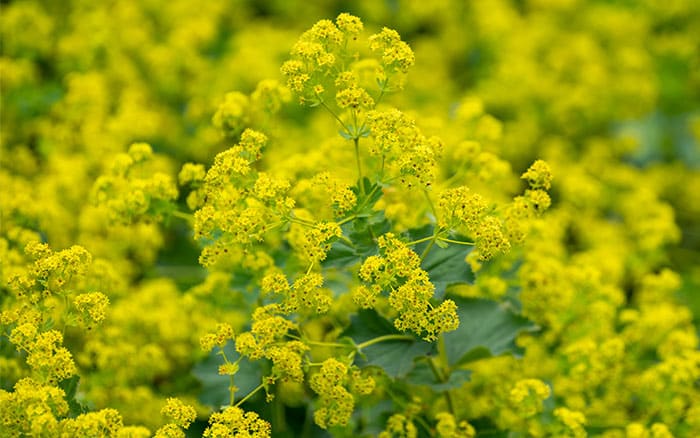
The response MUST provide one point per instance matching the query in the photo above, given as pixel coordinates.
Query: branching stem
(250, 394)
(379, 339)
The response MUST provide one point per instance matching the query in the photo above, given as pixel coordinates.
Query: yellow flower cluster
(32, 407)
(130, 191)
(397, 270)
(305, 294)
(342, 197)
(234, 422)
(402, 146)
(573, 422)
(51, 273)
(238, 112)
(224, 333)
(398, 425)
(236, 204)
(447, 427)
(396, 54)
(461, 207)
(46, 354)
(322, 51)
(311, 242)
(333, 383)
(181, 416)
(267, 339)
(528, 395)
(106, 422)
(40, 410)
(92, 307)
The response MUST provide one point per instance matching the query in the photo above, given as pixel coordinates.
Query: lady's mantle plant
(388, 321)
(347, 243)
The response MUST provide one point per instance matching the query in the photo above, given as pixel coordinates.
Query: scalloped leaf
(444, 263)
(70, 388)
(423, 375)
(395, 357)
(486, 328)
(361, 231)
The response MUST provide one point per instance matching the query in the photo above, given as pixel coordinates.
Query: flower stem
(359, 165)
(427, 249)
(416, 242)
(457, 242)
(184, 216)
(250, 394)
(346, 220)
(345, 127)
(379, 339)
(440, 376)
(430, 204)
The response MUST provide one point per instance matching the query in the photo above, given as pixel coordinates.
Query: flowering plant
(355, 242)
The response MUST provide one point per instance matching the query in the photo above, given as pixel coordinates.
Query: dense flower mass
(407, 219)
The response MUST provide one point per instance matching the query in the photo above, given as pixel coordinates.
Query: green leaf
(361, 232)
(215, 387)
(341, 255)
(70, 387)
(366, 197)
(486, 328)
(423, 375)
(444, 265)
(395, 356)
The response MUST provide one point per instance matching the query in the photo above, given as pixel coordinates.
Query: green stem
(327, 344)
(250, 394)
(274, 226)
(279, 419)
(379, 339)
(184, 216)
(346, 240)
(427, 249)
(442, 378)
(367, 197)
(430, 204)
(345, 127)
(66, 312)
(231, 389)
(231, 381)
(346, 220)
(300, 221)
(314, 364)
(416, 242)
(442, 351)
(319, 343)
(359, 165)
(381, 92)
(458, 242)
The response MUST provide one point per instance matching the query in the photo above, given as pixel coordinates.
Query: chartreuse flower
(234, 422)
(447, 427)
(181, 416)
(397, 271)
(335, 383)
